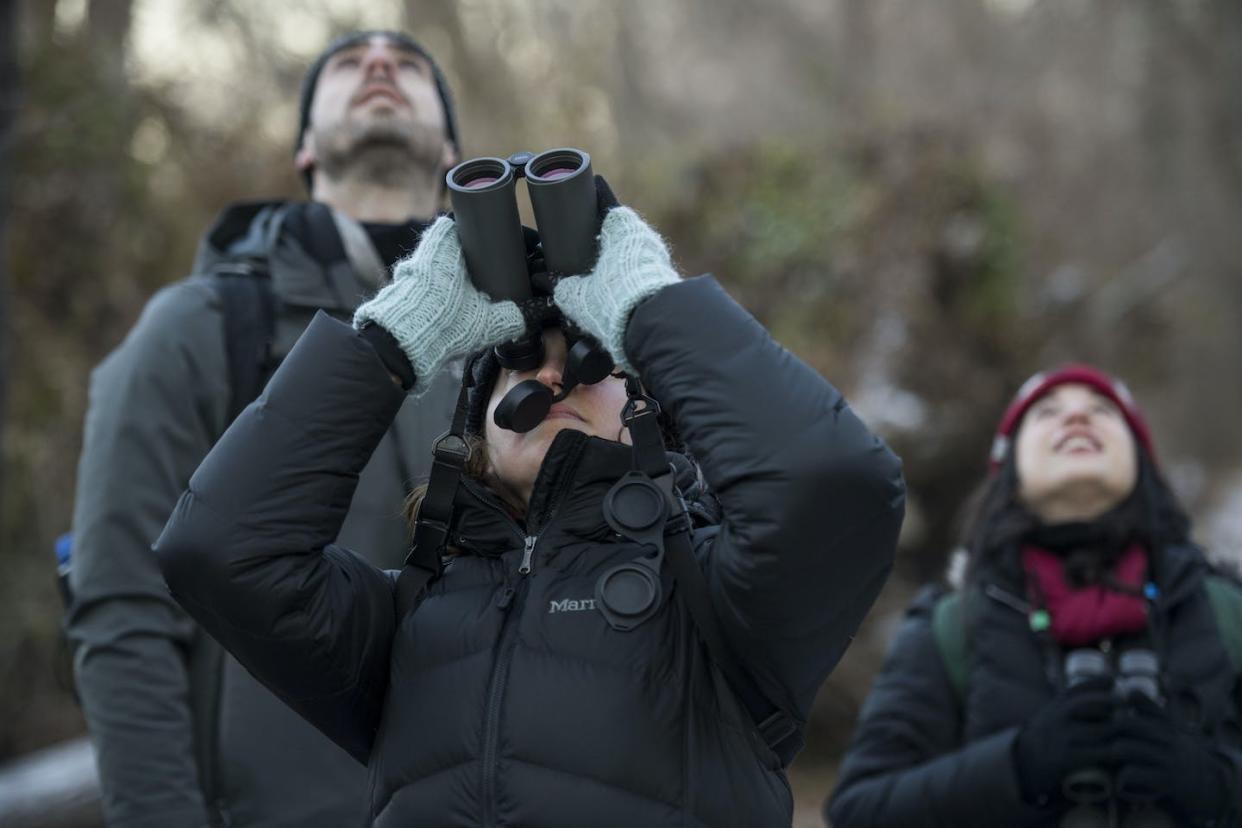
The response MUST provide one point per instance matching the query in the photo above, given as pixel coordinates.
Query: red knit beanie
(1043, 382)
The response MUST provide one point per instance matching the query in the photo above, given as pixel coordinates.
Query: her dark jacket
(504, 698)
(922, 756)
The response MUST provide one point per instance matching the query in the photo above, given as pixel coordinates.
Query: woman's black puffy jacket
(504, 698)
(925, 757)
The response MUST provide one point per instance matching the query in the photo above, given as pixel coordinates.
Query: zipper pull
(527, 554)
(506, 598)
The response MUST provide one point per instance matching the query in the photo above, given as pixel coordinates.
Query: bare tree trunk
(856, 62)
(108, 28)
(38, 20)
(9, 88)
(485, 91)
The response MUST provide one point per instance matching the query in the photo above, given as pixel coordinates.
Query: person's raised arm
(248, 550)
(812, 500)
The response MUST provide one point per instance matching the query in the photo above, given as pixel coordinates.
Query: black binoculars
(562, 193)
(1094, 791)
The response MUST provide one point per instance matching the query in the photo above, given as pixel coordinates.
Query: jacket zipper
(510, 603)
(500, 676)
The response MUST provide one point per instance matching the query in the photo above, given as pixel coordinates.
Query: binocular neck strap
(435, 513)
(780, 732)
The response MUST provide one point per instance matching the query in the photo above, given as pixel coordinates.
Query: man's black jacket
(504, 698)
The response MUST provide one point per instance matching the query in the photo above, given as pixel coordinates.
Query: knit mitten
(633, 264)
(433, 310)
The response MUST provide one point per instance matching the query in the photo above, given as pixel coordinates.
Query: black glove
(1072, 732)
(605, 199)
(1161, 761)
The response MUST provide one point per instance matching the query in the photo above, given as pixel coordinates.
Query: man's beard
(383, 151)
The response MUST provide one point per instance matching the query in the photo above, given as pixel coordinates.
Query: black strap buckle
(452, 450)
(777, 727)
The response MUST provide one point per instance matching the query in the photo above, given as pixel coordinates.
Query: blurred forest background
(925, 199)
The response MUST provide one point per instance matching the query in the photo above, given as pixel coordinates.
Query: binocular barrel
(1090, 789)
(1087, 786)
(562, 193)
(489, 228)
(1138, 671)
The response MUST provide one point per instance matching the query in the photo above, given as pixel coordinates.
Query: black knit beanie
(351, 39)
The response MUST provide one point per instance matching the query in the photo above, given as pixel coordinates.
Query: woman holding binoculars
(1087, 671)
(552, 671)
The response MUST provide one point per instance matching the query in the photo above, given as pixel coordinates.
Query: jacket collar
(317, 258)
(566, 501)
(1178, 570)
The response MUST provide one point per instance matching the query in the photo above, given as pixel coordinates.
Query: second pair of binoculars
(1094, 791)
(563, 196)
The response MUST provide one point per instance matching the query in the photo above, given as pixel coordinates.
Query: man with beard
(184, 736)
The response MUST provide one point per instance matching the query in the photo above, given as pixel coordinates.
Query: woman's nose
(550, 373)
(1077, 414)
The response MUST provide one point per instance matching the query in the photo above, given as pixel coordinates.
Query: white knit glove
(434, 311)
(633, 264)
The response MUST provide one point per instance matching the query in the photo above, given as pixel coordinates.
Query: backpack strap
(245, 290)
(778, 728)
(949, 628)
(249, 310)
(1225, 596)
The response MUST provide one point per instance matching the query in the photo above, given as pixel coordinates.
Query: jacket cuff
(991, 758)
(390, 353)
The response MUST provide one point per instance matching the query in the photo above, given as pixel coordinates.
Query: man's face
(375, 96)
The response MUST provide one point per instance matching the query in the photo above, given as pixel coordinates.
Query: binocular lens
(479, 174)
(556, 164)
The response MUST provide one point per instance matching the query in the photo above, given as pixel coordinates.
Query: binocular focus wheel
(524, 407)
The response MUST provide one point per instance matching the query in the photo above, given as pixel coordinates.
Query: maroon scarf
(1082, 616)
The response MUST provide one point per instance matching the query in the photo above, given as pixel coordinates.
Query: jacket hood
(302, 248)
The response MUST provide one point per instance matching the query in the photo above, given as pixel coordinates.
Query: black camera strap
(435, 515)
(674, 543)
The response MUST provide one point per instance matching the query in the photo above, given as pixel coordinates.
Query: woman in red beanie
(1086, 673)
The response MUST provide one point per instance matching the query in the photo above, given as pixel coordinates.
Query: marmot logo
(571, 605)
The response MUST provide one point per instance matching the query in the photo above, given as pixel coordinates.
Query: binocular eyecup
(527, 404)
(561, 187)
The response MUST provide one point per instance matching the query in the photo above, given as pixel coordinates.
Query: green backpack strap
(949, 628)
(1225, 596)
